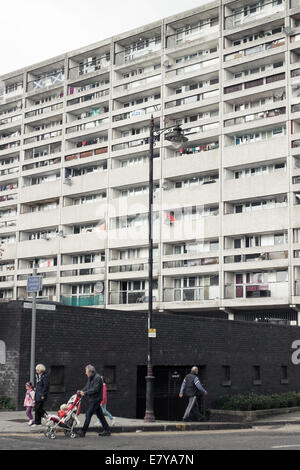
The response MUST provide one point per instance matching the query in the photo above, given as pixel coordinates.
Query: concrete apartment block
(74, 157)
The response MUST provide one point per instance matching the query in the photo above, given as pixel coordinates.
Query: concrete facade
(74, 167)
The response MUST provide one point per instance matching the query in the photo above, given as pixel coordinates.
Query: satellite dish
(166, 64)
(99, 287)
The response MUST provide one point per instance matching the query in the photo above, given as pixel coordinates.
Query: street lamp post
(176, 137)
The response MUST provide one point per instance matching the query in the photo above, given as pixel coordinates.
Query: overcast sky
(36, 30)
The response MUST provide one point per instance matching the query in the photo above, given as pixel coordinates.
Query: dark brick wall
(74, 337)
(10, 327)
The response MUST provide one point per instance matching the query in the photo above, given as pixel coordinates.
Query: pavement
(16, 422)
(280, 419)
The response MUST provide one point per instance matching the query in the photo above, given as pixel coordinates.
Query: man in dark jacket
(191, 387)
(94, 391)
(41, 392)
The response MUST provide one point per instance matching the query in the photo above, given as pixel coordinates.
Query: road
(260, 438)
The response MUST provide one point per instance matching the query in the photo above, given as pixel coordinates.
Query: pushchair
(66, 419)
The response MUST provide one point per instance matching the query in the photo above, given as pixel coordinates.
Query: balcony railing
(267, 256)
(256, 290)
(130, 268)
(137, 113)
(155, 80)
(189, 263)
(82, 272)
(82, 300)
(194, 67)
(94, 65)
(130, 297)
(89, 97)
(10, 120)
(39, 83)
(191, 33)
(140, 50)
(90, 153)
(253, 12)
(42, 151)
(255, 49)
(196, 149)
(45, 110)
(193, 99)
(191, 294)
(255, 117)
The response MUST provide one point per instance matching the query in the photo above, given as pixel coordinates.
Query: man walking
(94, 391)
(190, 388)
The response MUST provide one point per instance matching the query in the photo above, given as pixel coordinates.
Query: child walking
(29, 402)
(104, 403)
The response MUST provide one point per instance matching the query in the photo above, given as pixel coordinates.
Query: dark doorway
(167, 404)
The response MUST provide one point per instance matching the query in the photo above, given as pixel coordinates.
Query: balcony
(178, 163)
(191, 294)
(193, 101)
(41, 111)
(276, 258)
(46, 80)
(8, 122)
(94, 98)
(254, 12)
(91, 65)
(188, 34)
(297, 288)
(255, 117)
(197, 68)
(130, 297)
(135, 86)
(273, 290)
(90, 153)
(207, 192)
(83, 300)
(265, 220)
(263, 150)
(142, 49)
(255, 186)
(136, 113)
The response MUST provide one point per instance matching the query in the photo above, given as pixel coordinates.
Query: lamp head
(176, 137)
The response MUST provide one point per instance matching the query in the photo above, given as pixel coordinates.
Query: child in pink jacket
(29, 401)
(104, 403)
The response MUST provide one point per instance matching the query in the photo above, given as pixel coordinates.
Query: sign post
(34, 285)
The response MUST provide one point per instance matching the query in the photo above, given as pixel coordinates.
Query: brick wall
(74, 337)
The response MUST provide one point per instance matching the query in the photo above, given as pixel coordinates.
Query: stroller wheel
(73, 435)
(50, 434)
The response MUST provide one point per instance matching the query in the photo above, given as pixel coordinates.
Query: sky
(35, 30)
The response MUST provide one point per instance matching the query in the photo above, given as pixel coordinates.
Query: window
(237, 243)
(109, 375)
(284, 375)
(281, 276)
(226, 382)
(57, 379)
(279, 239)
(256, 375)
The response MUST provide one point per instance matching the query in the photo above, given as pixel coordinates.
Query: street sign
(152, 333)
(34, 284)
(40, 306)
